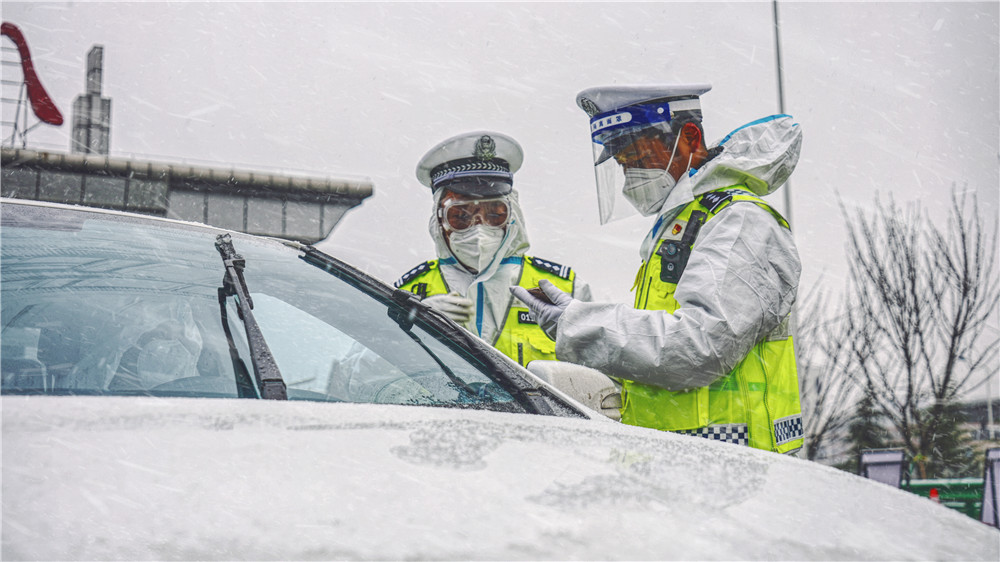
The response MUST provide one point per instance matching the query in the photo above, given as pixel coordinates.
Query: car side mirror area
(590, 387)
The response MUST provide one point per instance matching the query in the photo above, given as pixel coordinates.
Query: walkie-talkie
(674, 254)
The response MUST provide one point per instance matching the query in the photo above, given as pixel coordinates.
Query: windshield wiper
(404, 311)
(404, 318)
(269, 380)
(244, 384)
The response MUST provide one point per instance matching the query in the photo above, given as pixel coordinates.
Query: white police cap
(478, 163)
(618, 113)
(603, 99)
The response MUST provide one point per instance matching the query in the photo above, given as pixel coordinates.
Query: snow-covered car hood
(155, 478)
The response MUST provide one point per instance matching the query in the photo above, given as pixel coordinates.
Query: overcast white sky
(897, 98)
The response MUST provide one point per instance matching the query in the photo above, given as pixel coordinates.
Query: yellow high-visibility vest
(519, 337)
(757, 403)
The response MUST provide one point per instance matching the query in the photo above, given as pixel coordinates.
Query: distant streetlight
(990, 433)
(781, 100)
(990, 512)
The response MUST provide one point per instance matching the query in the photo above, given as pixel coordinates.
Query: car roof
(152, 219)
(99, 210)
(140, 478)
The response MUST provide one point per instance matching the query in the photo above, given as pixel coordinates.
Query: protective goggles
(458, 216)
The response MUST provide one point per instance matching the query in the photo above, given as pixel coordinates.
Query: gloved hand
(452, 305)
(546, 314)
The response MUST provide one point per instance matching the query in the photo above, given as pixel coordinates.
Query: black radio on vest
(674, 254)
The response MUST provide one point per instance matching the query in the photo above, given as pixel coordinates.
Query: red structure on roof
(41, 104)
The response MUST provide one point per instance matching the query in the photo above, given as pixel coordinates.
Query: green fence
(961, 494)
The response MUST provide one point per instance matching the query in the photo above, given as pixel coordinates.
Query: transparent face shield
(615, 134)
(610, 177)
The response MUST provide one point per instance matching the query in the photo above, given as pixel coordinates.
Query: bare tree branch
(826, 392)
(921, 295)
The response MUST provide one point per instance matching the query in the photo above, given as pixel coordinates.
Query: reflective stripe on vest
(757, 403)
(519, 337)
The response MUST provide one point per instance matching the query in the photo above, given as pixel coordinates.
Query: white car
(150, 413)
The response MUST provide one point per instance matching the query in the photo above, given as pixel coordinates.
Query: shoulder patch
(552, 267)
(715, 199)
(413, 274)
(738, 191)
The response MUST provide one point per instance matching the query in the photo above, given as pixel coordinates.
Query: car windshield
(95, 303)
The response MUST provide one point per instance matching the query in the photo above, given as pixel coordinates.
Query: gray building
(296, 207)
(91, 111)
(286, 206)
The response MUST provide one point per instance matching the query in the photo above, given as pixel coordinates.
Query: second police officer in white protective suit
(479, 234)
(706, 349)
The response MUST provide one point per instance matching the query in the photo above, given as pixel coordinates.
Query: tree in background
(826, 393)
(956, 457)
(865, 431)
(920, 295)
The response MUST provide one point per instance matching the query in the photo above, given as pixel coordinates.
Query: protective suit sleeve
(581, 290)
(740, 283)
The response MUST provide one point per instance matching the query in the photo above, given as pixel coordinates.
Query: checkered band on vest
(730, 433)
(468, 167)
(788, 429)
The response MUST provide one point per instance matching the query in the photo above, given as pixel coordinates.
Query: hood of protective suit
(489, 289)
(761, 155)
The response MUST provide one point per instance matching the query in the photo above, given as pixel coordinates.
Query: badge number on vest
(525, 317)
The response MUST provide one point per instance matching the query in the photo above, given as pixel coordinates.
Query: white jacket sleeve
(581, 290)
(739, 284)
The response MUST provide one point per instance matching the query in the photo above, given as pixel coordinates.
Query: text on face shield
(610, 120)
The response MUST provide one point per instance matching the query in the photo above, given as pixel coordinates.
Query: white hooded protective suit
(491, 286)
(739, 284)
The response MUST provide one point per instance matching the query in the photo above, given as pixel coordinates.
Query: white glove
(546, 314)
(452, 305)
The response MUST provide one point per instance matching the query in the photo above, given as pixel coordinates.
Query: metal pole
(989, 407)
(781, 101)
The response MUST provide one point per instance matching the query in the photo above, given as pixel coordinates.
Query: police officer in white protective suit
(707, 348)
(479, 233)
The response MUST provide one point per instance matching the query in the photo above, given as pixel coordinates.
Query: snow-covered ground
(147, 478)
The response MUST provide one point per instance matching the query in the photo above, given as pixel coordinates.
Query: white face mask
(476, 246)
(647, 189)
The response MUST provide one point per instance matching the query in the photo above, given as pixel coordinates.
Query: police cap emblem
(589, 106)
(486, 148)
